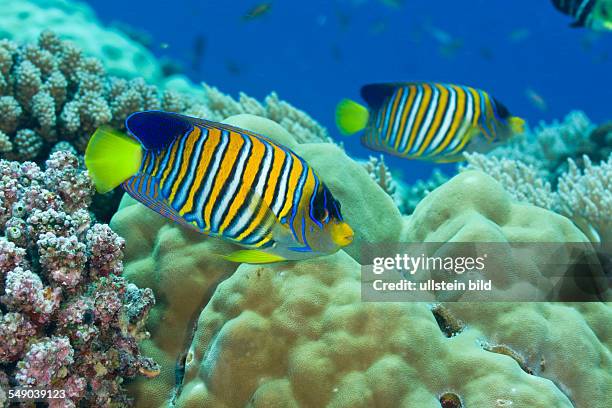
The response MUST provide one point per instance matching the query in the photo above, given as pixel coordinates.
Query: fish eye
(325, 215)
(321, 214)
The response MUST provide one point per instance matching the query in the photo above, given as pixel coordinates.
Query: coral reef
(412, 194)
(298, 123)
(548, 147)
(53, 97)
(311, 342)
(584, 196)
(52, 93)
(521, 180)
(378, 170)
(290, 334)
(406, 196)
(168, 259)
(298, 334)
(559, 141)
(602, 137)
(23, 21)
(67, 319)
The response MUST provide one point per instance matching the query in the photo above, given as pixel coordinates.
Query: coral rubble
(68, 320)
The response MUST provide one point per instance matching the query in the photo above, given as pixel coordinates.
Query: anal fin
(253, 256)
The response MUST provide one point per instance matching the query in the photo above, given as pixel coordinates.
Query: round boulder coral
(297, 334)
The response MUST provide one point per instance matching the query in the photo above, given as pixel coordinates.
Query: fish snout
(342, 234)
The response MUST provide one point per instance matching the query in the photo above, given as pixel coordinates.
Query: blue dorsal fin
(376, 94)
(230, 128)
(157, 129)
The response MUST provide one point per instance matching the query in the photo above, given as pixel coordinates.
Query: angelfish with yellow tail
(427, 120)
(222, 181)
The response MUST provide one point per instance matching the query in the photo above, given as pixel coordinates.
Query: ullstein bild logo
(514, 272)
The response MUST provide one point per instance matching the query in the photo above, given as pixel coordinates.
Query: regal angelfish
(222, 181)
(427, 120)
(593, 14)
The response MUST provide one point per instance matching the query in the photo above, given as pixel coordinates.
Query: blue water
(315, 52)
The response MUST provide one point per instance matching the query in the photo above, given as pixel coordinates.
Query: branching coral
(297, 122)
(548, 146)
(378, 170)
(519, 179)
(585, 196)
(67, 318)
(53, 93)
(53, 97)
(412, 194)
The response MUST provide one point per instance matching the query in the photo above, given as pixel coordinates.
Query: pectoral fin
(253, 256)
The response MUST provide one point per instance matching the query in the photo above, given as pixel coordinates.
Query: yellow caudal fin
(111, 158)
(253, 256)
(517, 125)
(351, 117)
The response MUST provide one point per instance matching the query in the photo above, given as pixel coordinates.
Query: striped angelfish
(427, 121)
(594, 14)
(222, 181)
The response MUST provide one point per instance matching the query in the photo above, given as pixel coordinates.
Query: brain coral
(297, 333)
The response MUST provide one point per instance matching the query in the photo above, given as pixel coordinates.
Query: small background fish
(257, 11)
